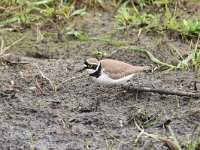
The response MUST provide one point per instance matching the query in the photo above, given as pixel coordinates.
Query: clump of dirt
(81, 114)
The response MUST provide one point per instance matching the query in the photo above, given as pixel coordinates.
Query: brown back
(118, 69)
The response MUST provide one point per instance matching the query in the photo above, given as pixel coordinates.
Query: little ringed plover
(110, 72)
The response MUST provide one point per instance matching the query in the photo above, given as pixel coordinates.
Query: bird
(111, 72)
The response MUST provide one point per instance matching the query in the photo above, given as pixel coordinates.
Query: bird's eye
(90, 65)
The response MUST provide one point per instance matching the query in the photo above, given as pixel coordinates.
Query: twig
(173, 145)
(39, 87)
(142, 132)
(62, 120)
(166, 92)
(112, 136)
(3, 50)
(53, 85)
(51, 82)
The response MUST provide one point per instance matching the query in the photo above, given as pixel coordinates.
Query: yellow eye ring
(90, 65)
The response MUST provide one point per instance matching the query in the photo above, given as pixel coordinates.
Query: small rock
(33, 88)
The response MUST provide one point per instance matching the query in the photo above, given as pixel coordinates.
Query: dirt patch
(81, 114)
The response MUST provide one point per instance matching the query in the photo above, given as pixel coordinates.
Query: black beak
(81, 70)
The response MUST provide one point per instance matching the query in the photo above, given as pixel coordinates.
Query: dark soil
(81, 114)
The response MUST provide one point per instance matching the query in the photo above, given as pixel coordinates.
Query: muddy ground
(81, 114)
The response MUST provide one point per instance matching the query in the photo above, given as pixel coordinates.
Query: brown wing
(118, 69)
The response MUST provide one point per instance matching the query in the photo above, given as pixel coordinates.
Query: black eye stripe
(86, 63)
(90, 66)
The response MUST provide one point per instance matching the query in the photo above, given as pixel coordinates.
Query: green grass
(71, 31)
(191, 142)
(168, 20)
(189, 62)
(152, 57)
(129, 16)
(29, 12)
(26, 12)
(93, 3)
(108, 39)
(192, 60)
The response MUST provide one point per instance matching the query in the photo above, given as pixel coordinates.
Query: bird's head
(91, 65)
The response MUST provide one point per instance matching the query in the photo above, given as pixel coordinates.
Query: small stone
(33, 88)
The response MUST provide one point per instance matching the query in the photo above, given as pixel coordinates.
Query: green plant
(172, 144)
(192, 141)
(108, 39)
(93, 3)
(192, 27)
(26, 12)
(76, 34)
(100, 54)
(125, 16)
(192, 60)
(142, 3)
(148, 121)
(117, 3)
(165, 21)
(80, 12)
(152, 57)
(179, 24)
(130, 18)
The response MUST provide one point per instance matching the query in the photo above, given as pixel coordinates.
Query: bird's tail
(147, 68)
(142, 68)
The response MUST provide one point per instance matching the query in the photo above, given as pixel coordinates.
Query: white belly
(104, 79)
